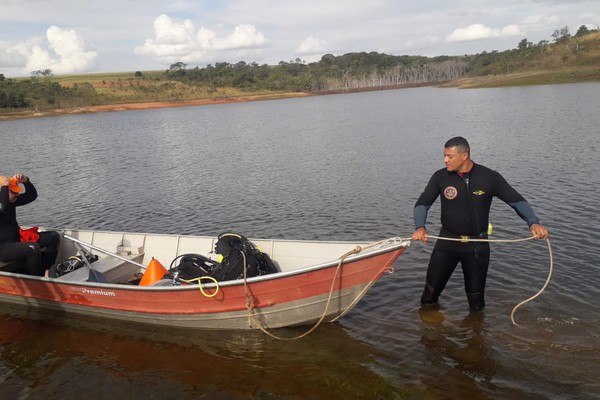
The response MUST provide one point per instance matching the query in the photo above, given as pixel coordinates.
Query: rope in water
(512, 314)
(250, 305)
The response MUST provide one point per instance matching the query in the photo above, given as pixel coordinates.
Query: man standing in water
(466, 190)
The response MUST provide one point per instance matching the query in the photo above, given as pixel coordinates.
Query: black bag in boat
(191, 266)
(237, 251)
(69, 265)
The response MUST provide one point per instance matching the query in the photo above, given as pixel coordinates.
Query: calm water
(344, 167)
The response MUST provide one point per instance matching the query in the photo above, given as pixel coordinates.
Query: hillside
(574, 60)
(569, 59)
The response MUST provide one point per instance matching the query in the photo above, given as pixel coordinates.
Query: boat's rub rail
(394, 241)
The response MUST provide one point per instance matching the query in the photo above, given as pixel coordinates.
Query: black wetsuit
(11, 247)
(465, 206)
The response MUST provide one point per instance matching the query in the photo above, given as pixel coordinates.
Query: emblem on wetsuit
(479, 193)
(450, 192)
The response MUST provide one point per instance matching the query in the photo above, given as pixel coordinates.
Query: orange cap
(15, 186)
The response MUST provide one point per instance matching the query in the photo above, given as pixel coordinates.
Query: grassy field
(69, 80)
(125, 87)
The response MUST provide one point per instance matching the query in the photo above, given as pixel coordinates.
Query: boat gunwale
(386, 246)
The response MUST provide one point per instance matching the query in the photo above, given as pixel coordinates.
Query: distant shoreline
(187, 103)
(507, 80)
(144, 106)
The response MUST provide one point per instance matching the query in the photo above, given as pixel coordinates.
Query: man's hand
(4, 180)
(538, 231)
(21, 178)
(420, 234)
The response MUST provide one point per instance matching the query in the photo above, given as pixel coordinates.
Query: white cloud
(181, 41)
(311, 49)
(269, 31)
(425, 41)
(10, 57)
(480, 31)
(310, 46)
(61, 50)
(540, 21)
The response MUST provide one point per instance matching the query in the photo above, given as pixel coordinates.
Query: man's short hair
(459, 142)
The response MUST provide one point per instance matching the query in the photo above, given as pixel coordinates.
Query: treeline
(348, 72)
(332, 73)
(43, 93)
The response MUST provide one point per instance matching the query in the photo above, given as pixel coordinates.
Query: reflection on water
(342, 167)
(179, 363)
(464, 348)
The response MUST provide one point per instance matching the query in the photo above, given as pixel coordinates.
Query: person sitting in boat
(18, 191)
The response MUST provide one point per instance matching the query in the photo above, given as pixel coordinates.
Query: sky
(88, 36)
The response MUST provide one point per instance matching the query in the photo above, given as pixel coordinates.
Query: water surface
(342, 167)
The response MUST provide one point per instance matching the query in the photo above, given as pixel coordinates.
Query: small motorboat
(316, 281)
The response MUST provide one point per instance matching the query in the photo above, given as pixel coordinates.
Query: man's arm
(4, 181)
(510, 196)
(30, 191)
(424, 202)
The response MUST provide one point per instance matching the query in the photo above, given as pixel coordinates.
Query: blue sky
(83, 36)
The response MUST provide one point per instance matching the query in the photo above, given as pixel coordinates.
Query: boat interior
(123, 257)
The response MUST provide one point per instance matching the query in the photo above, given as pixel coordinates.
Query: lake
(337, 167)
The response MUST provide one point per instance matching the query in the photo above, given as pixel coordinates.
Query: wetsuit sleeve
(524, 210)
(424, 202)
(3, 198)
(420, 216)
(510, 196)
(29, 195)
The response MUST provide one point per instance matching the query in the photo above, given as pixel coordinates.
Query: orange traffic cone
(154, 273)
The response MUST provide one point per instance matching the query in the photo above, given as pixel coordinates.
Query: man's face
(454, 159)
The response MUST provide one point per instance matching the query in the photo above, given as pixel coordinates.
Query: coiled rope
(550, 270)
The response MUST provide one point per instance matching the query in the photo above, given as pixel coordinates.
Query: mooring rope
(250, 305)
(252, 320)
(550, 270)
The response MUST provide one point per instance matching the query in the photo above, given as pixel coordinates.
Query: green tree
(178, 66)
(524, 44)
(582, 31)
(46, 73)
(561, 35)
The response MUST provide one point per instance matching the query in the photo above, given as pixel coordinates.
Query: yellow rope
(210, 278)
(551, 269)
